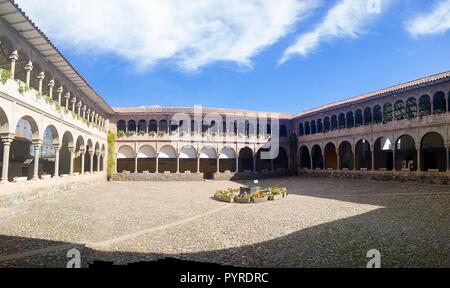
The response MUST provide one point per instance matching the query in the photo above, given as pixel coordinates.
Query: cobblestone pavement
(322, 223)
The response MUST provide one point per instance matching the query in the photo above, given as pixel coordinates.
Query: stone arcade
(54, 127)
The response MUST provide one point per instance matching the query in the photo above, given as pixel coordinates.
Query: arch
(439, 103)
(167, 152)
(346, 155)
(4, 122)
(245, 159)
(382, 150)
(142, 126)
(167, 160)
(411, 108)
(319, 126)
(405, 153)
(146, 159)
(317, 159)
(377, 114)
(30, 130)
(307, 128)
(350, 120)
(399, 110)
(363, 155)
(52, 134)
(424, 106)
(301, 129)
(330, 156)
(326, 125)
(163, 126)
(305, 158)
(125, 159)
(208, 160)
(188, 159)
(341, 121)
(388, 115)
(227, 159)
(80, 152)
(153, 126)
(334, 123)
(131, 126)
(64, 154)
(368, 116)
(281, 162)
(433, 152)
(313, 127)
(121, 126)
(359, 119)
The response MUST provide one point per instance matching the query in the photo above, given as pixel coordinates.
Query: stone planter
(260, 200)
(276, 197)
(227, 200)
(242, 200)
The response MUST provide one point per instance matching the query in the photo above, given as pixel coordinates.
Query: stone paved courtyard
(323, 223)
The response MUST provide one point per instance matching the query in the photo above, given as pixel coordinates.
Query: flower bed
(263, 195)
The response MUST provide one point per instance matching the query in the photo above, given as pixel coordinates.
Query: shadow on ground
(412, 230)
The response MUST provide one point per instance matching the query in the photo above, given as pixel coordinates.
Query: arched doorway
(383, 154)
(228, 160)
(167, 161)
(51, 138)
(346, 155)
(317, 158)
(208, 161)
(305, 158)
(405, 153)
(22, 153)
(125, 159)
(146, 159)
(68, 143)
(188, 159)
(246, 160)
(330, 156)
(79, 154)
(433, 152)
(363, 155)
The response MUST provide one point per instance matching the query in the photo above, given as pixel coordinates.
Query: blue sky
(307, 54)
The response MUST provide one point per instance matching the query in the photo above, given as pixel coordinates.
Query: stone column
(91, 164)
(60, 91)
(84, 111)
(324, 164)
(419, 164)
(14, 57)
(37, 153)
(40, 77)
(218, 164)
(311, 162)
(67, 96)
(97, 154)
(447, 147)
(7, 141)
(354, 159)
(74, 101)
(157, 163)
(178, 163)
(135, 163)
(79, 104)
(393, 159)
(254, 163)
(82, 154)
(28, 68)
(88, 115)
(237, 163)
(51, 84)
(72, 158)
(373, 160)
(57, 150)
(198, 163)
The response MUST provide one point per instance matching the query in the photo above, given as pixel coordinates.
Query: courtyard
(322, 223)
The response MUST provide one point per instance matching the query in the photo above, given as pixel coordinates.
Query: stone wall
(158, 177)
(402, 176)
(12, 194)
(251, 175)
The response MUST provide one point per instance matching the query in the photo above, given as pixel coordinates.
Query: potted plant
(243, 198)
(259, 197)
(276, 194)
(225, 195)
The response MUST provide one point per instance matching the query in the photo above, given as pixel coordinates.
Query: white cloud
(193, 34)
(435, 22)
(347, 19)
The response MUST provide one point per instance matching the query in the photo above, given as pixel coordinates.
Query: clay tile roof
(173, 110)
(441, 77)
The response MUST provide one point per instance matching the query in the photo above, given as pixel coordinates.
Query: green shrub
(5, 76)
(23, 89)
(111, 153)
(120, 134)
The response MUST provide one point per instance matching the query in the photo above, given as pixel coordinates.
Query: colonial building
(54, 128)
